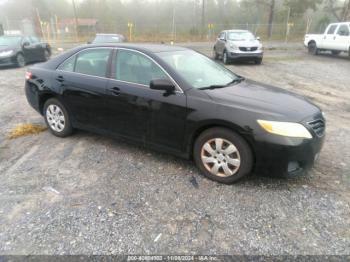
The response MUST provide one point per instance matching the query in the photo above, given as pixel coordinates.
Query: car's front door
(138, 112)
(342, 40)
(29, 51)
(82, 80)
(38, 50)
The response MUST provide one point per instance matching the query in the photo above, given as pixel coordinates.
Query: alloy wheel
(220, 157)
(55, 118)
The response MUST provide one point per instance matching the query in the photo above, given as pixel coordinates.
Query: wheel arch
(43, 98)
(221, 124)
(312, 41)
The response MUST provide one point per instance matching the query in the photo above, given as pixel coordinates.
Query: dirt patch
(26, 129)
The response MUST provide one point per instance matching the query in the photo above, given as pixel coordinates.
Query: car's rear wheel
(312, 48)
(225, 58)
(222, 155)
(215, 54)
(57, 118)
(20, 60)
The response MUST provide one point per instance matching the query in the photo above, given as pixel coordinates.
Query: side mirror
(162, 84)
(89, 42)
(258, 38)
(25, 44)
(222, 39)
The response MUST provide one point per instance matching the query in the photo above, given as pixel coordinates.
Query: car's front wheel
(225, 58)
(258, 61)
(20, 60)
(46, 55)
(312, 48)
(57, 118)
(222, 155)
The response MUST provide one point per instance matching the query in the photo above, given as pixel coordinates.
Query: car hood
(272, 102)
(245, 43)
(7, 48)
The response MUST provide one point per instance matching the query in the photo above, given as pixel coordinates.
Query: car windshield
(240, 36)
(107, 39)
(9, 40)
(198, 70)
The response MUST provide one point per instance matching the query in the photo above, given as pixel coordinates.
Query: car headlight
(288, 129)
(233, 47)
(6, 53)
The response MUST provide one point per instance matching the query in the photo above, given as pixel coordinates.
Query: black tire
(225, 58)
(46, 55)
(258, 61)
(244, 151)
(215, 54)
(68, 129)
(312, 48)
(20, 60)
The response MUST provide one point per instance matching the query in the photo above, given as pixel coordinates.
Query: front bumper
(245, 55)
(283, 156)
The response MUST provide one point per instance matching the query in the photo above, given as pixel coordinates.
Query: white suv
(238, 44)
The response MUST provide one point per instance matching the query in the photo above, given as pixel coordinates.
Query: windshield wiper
(237, 80)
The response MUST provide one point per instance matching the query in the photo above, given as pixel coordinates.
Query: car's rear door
(138, 112)
(82, 80)
(329, 38)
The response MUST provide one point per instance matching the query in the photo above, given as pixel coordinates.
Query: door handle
(115, 91)
(60, 79)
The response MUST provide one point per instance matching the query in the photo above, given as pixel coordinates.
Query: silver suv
(238, 44)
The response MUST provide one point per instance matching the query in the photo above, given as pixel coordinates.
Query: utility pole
(173, 26)
(203, 18)
(288, 25)
(75, 21)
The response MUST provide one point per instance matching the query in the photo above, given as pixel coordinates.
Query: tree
(299, 7)
(340, 11)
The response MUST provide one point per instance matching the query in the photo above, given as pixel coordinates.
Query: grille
(318, 126)
(248, 49)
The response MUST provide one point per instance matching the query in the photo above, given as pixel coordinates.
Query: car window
(25, 40)
(34, 40)
(134, 67)
(222, 35)
(331, 30)
(93, 62)
(343, 30)
(68, 65)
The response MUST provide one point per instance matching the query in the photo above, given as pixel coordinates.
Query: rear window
(89, 62)
(93, 62)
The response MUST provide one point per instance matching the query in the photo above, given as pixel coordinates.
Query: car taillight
(29, 75)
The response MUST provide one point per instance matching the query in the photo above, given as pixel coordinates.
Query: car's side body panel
(171, 122)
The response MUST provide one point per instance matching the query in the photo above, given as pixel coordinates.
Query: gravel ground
(88, 194)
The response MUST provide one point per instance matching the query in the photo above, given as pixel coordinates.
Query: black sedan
(18, 50)
(178, 101)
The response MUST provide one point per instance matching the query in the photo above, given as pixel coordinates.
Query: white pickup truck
(336, 39)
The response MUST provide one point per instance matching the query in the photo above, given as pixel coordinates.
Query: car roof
(109, 34)
(237, 30)
(152, 48)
